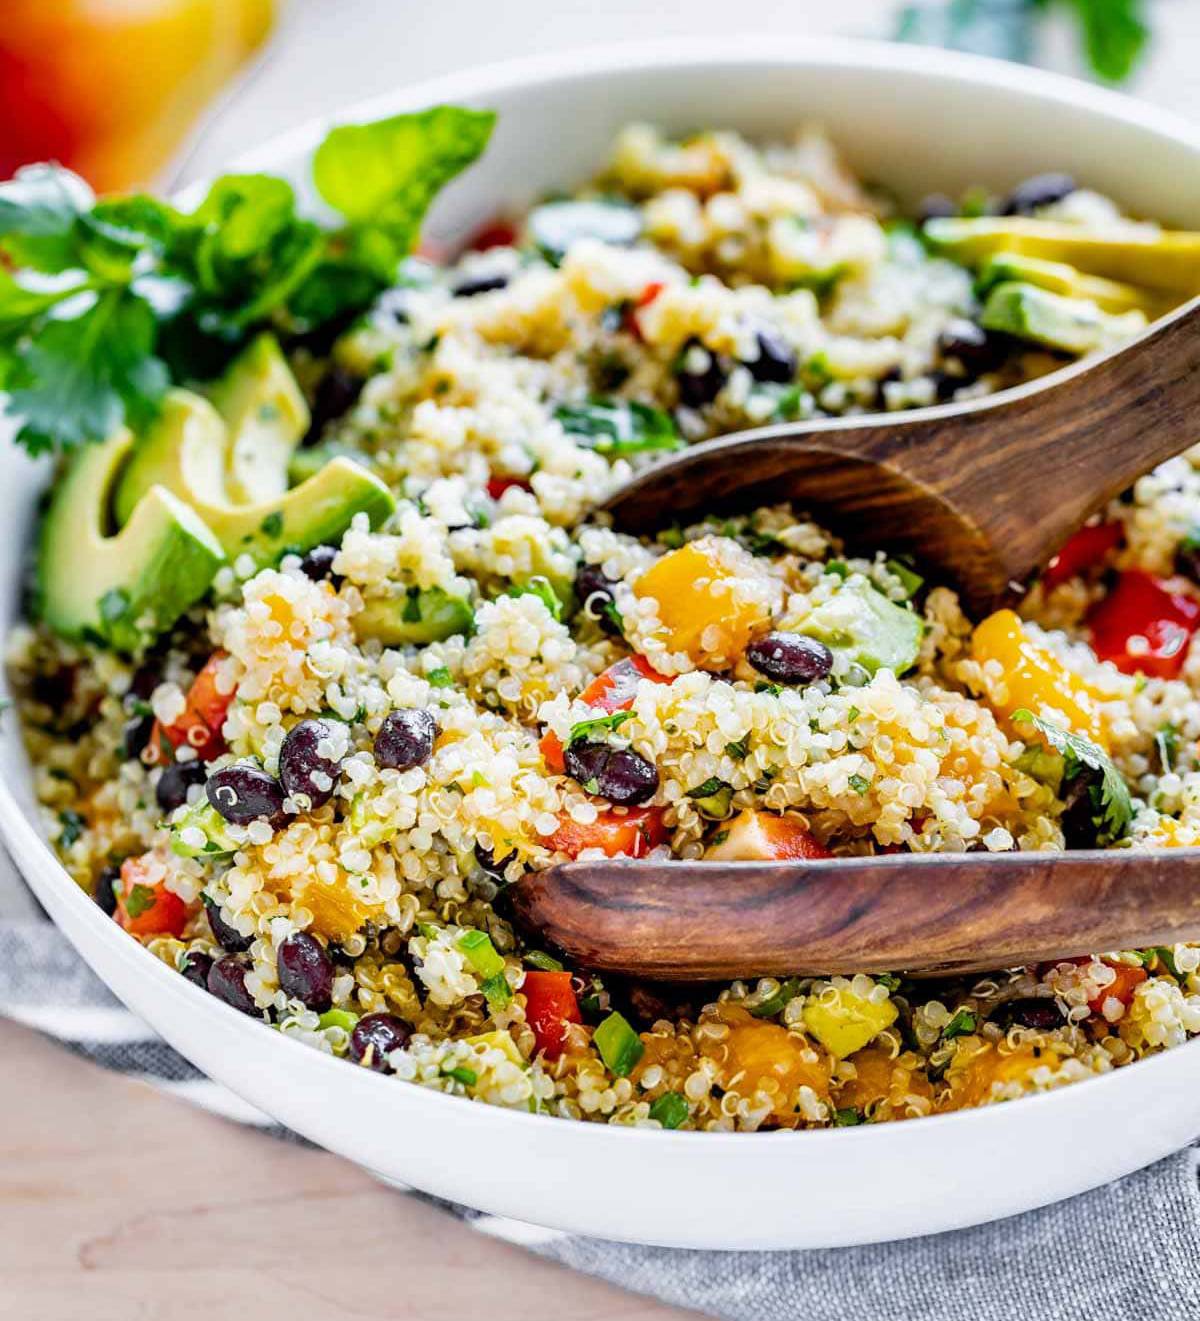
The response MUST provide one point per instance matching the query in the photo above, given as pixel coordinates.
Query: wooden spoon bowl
(932, 914)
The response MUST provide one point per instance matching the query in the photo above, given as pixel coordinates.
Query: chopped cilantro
(739, 749)
(763, 687)
(962, 1024)
(1110, 798)
(847, 1117)
(139, 900)
(619, 426)
(777, 1002)
(73, 826)
(859, 783)
(720, 837)
(440, 678)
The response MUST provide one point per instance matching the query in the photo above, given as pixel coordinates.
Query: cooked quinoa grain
(310, 795)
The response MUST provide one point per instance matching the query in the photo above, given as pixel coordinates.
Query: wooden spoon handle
(932, 915)
(987, 489)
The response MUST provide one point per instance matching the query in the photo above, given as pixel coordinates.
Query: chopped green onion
(775, 1004)
(543, 962)
(497, 990)
(619, 1045)
(342, 1018)
(468, 1077)
(670, 1109)
(440, 678)
(480, 953)
(911, 581)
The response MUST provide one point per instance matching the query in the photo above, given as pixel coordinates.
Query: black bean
(699, 387)
(946, 386)
(227, 981)
(300, 764)
(478, 284)
(171, 791)
(975, 348)
(196, 967)
(937, 206)
(405, 739)
(136, 735)
(790, 658)
(228, 937)
(889, 377)
(336, 394)
(104, 894)
(1041, 1012)
(595, 591)
(318, 565)
(1036, 192)
(776, 359)
(1078, 820)
(374, 1038)
(1187, 558)
(618, 774)
(54, 688)
(306, 971)
(243, 793)
(146, 679)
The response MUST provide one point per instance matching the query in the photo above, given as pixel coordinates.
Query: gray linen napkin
(1129, 1249)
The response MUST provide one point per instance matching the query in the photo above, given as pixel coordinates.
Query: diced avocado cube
(200, 832)
(1073, 325)
(120, 591)
(416, 619)
(863, 628)
(185, 450)
(267, 414)
(844, 1022)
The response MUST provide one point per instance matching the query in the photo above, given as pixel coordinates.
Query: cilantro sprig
(103, 303)
(1111, 801)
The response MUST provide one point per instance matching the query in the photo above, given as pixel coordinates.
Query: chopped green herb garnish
(496, 991)
(468, 1077)
(739, 749)
(761, 686)
(619, 1045)
(910, 580)
(670, 1109)
(139, 900)
(860, 784)
(778, 1002)
(620, 426)
(610, 722)
(440, 678)
(73, 826)
(962, 1024)
(847, 1117)
(1110, 798)
(720, 837)
(713, 798)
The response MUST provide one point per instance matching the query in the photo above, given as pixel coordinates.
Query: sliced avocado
(1074, 325)
(422, 616)
(266, 414)
(120, 590)
(184, 450)
(1059, 278)
(1167, 260)
(308, 462)
(863, 628)
(205, 818)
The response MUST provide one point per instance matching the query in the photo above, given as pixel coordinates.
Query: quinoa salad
(329, 643)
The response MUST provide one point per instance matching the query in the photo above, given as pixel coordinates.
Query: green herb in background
(1113, 33)
(104, 303)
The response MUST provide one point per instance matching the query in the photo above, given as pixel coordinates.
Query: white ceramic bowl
(919, 121)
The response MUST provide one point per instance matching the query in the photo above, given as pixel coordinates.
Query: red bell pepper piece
(1143, 626)
(550, 1004)
(629, 834)
(146, 907)
(644, 299)
(613, 690)
(498, 485)
(1082, 552)
(200, 723)
(495, 234)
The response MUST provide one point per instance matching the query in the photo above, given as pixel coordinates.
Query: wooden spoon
(984, 492)
(932, 914)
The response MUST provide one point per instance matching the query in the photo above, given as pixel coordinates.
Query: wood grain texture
(982, 493)
(930, 914)
(121, 1204)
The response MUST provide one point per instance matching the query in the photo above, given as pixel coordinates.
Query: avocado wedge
(1073, 325)
(420, 617)
(121, 590)
(266, 414)
(185, 451)
(1060, 278)
(1164, 260)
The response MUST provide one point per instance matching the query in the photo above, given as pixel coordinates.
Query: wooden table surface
(120, 1204)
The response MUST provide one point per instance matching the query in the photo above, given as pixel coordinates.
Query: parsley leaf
(962, 1024)
(140, 899)
(1110, 798)
(619, 426)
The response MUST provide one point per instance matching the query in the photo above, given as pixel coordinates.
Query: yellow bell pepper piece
(1034, 678)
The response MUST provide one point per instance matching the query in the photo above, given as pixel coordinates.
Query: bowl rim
(477, 82)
